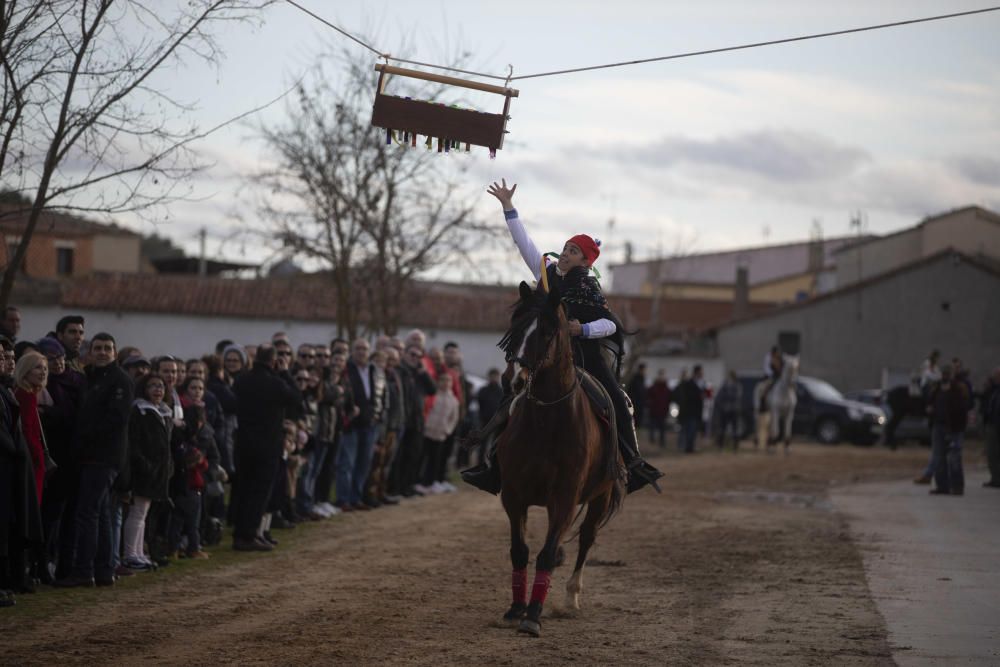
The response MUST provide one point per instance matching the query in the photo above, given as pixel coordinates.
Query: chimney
(741, 293)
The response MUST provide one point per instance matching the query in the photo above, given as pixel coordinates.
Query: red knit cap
(590, 247)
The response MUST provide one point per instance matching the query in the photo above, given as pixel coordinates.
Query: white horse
(776, 423)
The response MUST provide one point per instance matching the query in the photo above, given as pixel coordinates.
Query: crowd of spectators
(115, 462)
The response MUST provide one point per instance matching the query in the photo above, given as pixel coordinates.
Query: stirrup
(641, 473)
(483, 477)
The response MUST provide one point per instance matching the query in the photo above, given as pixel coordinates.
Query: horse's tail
(618, 493)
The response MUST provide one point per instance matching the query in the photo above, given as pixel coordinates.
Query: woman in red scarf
(30, 376)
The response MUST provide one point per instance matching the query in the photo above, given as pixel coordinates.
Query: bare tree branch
(83, 128)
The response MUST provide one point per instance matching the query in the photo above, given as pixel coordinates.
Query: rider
(774, 364)
(590, 321)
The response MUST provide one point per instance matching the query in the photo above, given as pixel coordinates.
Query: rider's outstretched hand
(503, 193)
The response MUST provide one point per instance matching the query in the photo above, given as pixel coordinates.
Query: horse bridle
(531, 376)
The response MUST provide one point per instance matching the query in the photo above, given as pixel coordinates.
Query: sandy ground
(741, 561)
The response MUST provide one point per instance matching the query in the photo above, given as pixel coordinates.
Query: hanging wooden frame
(447, 124)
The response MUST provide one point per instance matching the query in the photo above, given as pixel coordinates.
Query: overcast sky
(705, 153)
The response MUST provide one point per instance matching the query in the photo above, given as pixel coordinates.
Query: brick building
(66, 245)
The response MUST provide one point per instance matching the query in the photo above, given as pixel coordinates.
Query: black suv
(822, 412)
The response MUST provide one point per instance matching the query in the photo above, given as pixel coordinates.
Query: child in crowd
(187, 486)
(440, 422)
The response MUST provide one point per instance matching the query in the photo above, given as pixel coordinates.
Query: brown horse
(554, 453)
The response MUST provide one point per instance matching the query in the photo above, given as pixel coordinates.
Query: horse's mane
(524, 312)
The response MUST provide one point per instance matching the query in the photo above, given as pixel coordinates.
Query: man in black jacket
(357, 441)
(690, 403)
(102, 447)
(417, 385)
(263, 402)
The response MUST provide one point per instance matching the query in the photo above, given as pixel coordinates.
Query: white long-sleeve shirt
(533, 258)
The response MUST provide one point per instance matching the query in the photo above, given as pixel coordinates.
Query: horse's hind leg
(519, 564)
(559, 519)
(596, 511)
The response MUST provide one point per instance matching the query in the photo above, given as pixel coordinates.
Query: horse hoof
(529, 627)
(514, 614)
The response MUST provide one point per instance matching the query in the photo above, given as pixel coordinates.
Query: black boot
(640, 473)
(486, 475)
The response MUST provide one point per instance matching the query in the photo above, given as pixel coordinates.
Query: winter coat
(417, 384)
(729, 400)
(443, 417)
(59, 419)
(396, 413)
(950, 406)
(19, 509)
(327, 410)
(31, 426)
(658, 399)
(489, 398)
(371, 404)
(690, 401)
(225, 434)
(264, 401)
(102, 428)
(150, 463)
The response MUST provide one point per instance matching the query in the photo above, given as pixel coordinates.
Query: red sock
(540, 588)
(519, 585)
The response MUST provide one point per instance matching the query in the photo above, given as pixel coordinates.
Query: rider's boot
(640, 473)
(486, 475)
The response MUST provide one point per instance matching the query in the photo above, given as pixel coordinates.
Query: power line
(340, 30)
(757, 44)
(676, 56)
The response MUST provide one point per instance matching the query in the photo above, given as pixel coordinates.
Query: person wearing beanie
(591, 323)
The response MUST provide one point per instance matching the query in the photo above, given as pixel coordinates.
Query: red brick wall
(41, 259)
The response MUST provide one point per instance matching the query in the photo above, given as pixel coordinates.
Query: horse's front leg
(518, 517)
(560, 516)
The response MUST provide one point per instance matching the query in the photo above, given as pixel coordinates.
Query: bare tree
(372, 213)
(84, 126)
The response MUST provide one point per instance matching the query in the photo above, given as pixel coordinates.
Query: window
(64, 261)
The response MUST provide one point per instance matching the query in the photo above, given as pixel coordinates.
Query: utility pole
(202, 259)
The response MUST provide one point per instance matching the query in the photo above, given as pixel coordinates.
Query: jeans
(94, 537)
(354, 460)
(186, 518)
(116, 531)
(947, 449)
(688, 434)
(306, 493)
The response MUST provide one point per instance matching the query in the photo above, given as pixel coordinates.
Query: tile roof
(13, 219)
(309, 298)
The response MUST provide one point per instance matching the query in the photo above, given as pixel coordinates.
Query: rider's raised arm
(529, 252)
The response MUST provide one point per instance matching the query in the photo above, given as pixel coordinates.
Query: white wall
(190, 336)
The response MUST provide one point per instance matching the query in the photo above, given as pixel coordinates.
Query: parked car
(912, 426)
(822, 412)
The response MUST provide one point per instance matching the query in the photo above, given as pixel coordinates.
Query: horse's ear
(525, 291)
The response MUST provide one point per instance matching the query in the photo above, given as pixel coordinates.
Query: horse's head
(538, 331)
(791, 369)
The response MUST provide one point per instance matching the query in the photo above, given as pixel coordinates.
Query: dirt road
(740, 561)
